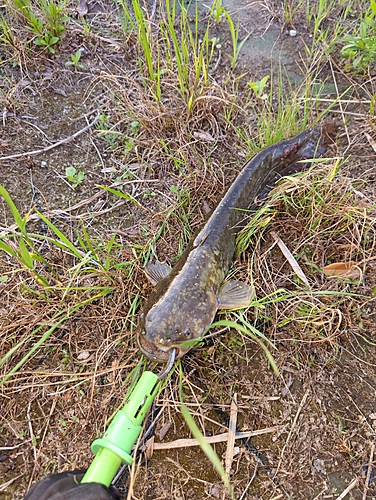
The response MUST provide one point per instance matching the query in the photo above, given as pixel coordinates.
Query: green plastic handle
(116, 445)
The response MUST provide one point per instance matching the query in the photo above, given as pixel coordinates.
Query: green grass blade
(255, 334)
(126, 196)
(25, 254)
(16, 214)
(66, 313)
(206, 448)
(6, 248)
(68, 244)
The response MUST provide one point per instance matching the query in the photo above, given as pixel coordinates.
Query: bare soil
(319, 414)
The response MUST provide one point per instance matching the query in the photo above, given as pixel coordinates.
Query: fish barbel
(186, 298)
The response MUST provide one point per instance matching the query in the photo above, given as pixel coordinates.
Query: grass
(45, 20)
(58, 276)
(175, 128)
(360, 47)
(324, 224)
(179, 47)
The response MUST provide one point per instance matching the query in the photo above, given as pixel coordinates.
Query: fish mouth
(159, 353)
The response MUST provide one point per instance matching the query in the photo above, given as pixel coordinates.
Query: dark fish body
(186, 298)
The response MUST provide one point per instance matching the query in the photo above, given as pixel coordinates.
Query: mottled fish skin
(184, 303)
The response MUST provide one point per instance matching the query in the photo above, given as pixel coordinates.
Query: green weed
(75, 60)
(74, 176)
(291, 10)
(279, 114)
(236, 45)
(6, 32)
(57, 320)
(243, 326)
(19, 245)
(318, 12)
(329, 217)
(45, 19)
(259, 86)
(179, 47)
(360, 48)
(62, 277)
(329, 20)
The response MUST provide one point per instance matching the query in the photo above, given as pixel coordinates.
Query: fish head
(175, 325)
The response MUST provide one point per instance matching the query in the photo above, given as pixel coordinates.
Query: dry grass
(71, 385)
(61, 399)
(323, 218)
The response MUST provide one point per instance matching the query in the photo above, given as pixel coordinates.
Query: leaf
(348, 270)
(16, 215)
(70, 172)
(67, 244)
(26, 257)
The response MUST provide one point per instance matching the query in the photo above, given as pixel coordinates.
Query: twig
(219, 438)
(352, 485)
(250, 482)
(231, 435)
(63, 179)
(339, 102)
(369, 470)
(4, 486)
(46, 428)
(31, 431)
(5, 448)
(55, 145)
(39, 130)
(290, 258)
(133, 469)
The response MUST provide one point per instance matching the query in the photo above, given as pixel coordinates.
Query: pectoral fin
(234, 294)
(156, 272)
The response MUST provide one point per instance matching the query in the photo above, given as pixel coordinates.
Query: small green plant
(318, 11)
(75, 60)
(134, 127)
(290, 11)
(217, 10)
(47, 41)
(181, 47)
(360, 49)
(236, 45)
(20, 246)
(259, 86)
(74, 176)
(45, 19)
(6, 32)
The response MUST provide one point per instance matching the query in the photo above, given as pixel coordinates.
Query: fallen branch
(55, 145)
(220, 438)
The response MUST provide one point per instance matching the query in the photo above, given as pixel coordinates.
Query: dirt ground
(314, 424)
